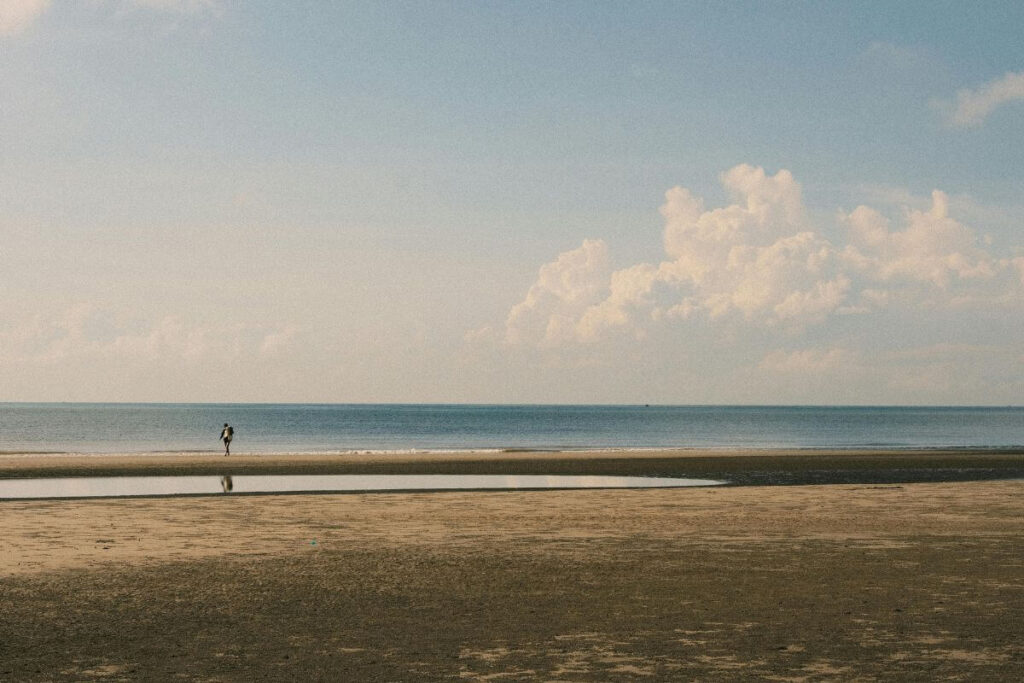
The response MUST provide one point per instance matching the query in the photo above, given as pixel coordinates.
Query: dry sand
(921, 581)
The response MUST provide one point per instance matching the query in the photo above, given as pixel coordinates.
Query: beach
(880, 566)
(583, 341)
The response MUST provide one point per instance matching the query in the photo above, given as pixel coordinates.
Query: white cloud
(934, 248)
(973, 106)
(754, 258)
(630, 289)
(88, 332)
(761, 262)
(563, 289)
(17, 15)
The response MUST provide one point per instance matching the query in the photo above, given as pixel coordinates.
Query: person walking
(226, 435)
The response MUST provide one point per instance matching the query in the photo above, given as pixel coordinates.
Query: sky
(512, 202)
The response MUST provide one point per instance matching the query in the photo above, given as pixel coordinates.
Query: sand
(877, 581)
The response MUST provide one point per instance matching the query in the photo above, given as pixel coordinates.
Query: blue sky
(257, 201)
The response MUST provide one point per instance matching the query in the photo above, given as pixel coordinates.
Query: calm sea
(291, 428)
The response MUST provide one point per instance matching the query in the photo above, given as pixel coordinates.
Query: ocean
(293, 428)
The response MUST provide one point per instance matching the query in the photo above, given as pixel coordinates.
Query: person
(226, 435)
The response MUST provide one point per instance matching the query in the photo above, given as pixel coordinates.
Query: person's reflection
(226, 484)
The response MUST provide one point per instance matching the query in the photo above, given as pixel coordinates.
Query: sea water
(293, 428)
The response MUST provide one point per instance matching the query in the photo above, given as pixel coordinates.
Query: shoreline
(640, 451)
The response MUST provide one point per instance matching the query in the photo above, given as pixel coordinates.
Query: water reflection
(93, 487)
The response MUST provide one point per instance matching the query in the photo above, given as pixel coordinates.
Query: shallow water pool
(117, 487)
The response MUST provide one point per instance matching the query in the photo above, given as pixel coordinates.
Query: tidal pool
(117, 487)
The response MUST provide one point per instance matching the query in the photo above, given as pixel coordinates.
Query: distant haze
(573, 202)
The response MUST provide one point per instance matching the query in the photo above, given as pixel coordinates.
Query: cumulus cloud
(754, 258)
(17, 15)
(934, 247)
(758, 260)
(974, 106)
(573, 281)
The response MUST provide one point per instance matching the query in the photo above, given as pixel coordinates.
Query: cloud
(573, 281)
(950, 369)
(934, 248)
(973, 106)
(760, 261)
(942, 373)
(89, 332)
(17, 15)
(754, 259)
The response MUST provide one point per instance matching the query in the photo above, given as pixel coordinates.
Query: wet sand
(877, 581)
